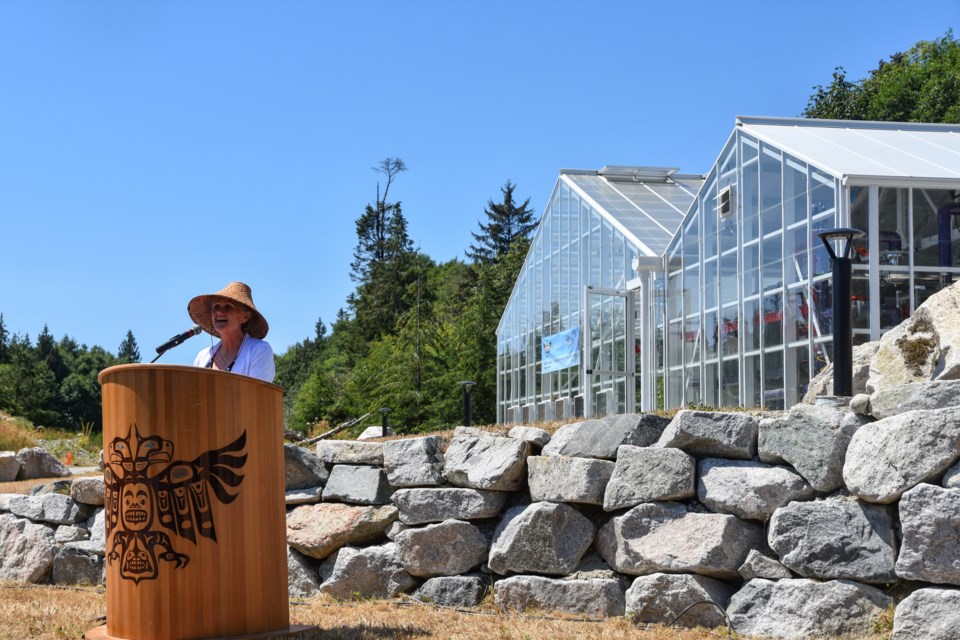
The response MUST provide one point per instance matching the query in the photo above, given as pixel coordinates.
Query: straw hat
(201, 306)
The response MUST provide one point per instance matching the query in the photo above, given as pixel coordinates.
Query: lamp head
(468, 385)
(836, 235)
(385, 410)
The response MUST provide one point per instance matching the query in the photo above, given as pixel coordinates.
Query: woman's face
(228, 316)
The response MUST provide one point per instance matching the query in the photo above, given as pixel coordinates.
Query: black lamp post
(383, 420)
(468, 386)
(842, 323)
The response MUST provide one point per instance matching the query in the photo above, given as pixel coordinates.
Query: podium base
(294, 631)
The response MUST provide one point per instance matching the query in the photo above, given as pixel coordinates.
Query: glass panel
(770, 191)
(772, 320)
(772, 255)
(711, 333)
(750, 196)
(933, 245)
(691, 290)
(794, 191)
(822, 192)
(751, 269)
(711, 385)
(692, 339)
(692, 393)
(751, 381)
(795, 248)
(674, 388)
(674, 295)
(860, 219)
(894, 298)
(821, 299)
(751, 313)
(820, 258)
(822, 355)
(797, 322)
(773, 379)
(894, 227)
(710, 284)
(729, 278)
(860, 299)
(691, 231)
(674, 343)
(730, 389)
(729, 330)
(709, 209)
(800, 356)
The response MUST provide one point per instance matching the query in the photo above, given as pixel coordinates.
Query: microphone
(175, 340)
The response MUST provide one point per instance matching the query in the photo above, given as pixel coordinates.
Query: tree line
(413, 328)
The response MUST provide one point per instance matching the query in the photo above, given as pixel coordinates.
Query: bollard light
(842, 321)
(383, 420)
(468, 386)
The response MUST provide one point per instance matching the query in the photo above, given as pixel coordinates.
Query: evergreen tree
(128, 352)
(506, 223)
(4, 349)
(382, 261)
(920, 85)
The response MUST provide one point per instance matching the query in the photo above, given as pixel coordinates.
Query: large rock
(822, 383)
(544, 537)
(601, 438)
(838, 538)
(9, 466)
(453, 591)
(419, 506)
(758, 565)
(27, 550)
(930, 525)
(665, 537)
(489, 462)
(350, 452)
(708, 434)
(53, 508)
(414, 462)
(813, 440)
(302, 469)
(595, 598)
(373, 572)
(88, 491)
(661, 598)
(357, 484)
(76, 563)
(36, 462)
(448, 548)
(645, 474)
(317, 530)
(951, 479)
(563, 479)
(925, 346)
(887, 457)
(537, 438)
(96, 525)
(936, 394)
(804, 608)
(748, 490)
(303, 579)
(928, 614)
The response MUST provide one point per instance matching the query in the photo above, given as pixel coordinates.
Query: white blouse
(255, 359)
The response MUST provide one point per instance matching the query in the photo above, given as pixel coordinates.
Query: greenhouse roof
(646, 204)
(859, 152)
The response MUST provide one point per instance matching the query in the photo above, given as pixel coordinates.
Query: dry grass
(46, 612)
(16, 433)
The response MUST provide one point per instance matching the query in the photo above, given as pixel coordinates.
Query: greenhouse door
(608, 363)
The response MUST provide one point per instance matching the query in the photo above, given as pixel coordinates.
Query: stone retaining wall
(812, 521)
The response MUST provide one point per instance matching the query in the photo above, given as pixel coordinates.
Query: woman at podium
(229, 314)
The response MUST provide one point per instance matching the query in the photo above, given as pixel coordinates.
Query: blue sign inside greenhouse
(561, 350)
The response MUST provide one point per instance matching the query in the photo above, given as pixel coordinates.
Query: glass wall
(746, 315)
(575, 246)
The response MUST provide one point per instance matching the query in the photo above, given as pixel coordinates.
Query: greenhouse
(646, 288)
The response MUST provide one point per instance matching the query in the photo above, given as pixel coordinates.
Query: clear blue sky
(154, 151)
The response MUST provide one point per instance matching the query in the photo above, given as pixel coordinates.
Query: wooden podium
(194, 500)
